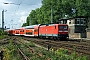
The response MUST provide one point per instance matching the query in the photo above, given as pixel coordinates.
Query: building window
(78, 21)
(64, 22)
(82, 21)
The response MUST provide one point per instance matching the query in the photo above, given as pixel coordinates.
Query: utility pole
(51, 14)
(3, 21)
(30, 21)
(12, 23)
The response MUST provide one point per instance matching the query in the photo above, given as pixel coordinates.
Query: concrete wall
(88, 34)
(75, 35)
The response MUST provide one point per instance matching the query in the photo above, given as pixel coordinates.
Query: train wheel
(44, 37)
(64, 38)
(54, 38)
(58, 38)
(51, 38)
(40, 37)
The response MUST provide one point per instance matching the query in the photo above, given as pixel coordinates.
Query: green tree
(58, 9)
(24, 24)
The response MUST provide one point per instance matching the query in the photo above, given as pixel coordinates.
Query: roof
(71, 18)
(32, 26)
(80, 17)
(88, 29)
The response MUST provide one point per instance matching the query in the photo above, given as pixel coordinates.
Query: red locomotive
(55, 31)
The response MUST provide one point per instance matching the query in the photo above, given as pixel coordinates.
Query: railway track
(24, 57)
(81, 47)
(4, 41)
(16, 42)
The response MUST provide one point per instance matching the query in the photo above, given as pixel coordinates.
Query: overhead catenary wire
(17, 8)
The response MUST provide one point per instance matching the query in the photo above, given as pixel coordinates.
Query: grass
(31, 44)
(3, 36)
(10, 51)
(40, 53)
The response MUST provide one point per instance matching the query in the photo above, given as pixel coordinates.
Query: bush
(0, 32)
(5, 33)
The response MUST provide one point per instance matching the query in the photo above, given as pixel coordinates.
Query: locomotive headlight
(60, 31)
(65, 30)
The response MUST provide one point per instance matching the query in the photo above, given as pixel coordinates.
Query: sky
(15, 14)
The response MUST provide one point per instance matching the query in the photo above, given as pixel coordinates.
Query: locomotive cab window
(63, 27)
(60, 27)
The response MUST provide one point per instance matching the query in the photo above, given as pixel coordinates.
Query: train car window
(21, 30)
(64, 27)
(30, 33)
(36, 30)
(17, 32)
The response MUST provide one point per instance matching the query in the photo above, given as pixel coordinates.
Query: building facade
(77, 27)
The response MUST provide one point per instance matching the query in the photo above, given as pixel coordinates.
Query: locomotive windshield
(63, 27)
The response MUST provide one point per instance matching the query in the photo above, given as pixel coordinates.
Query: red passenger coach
(11, 32)
(54, 31)
(17, 31)
(36, 30)
(29, 31)
(22, 31)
